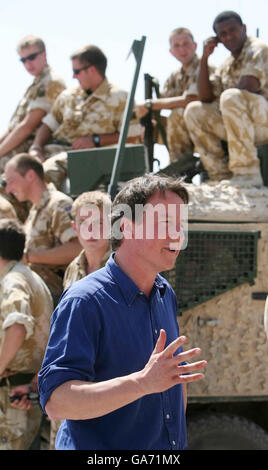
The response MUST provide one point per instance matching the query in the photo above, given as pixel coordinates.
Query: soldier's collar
(101, 91)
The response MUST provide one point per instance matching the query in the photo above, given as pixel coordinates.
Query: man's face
(35, 60)
(160, 235)
(16, 184)
(183, 48)
(82, 73)
(92, 227)
(231, 34)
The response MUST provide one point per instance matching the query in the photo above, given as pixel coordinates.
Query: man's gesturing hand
(163, 370)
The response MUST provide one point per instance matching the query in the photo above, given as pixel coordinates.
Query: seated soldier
(233, 106)
(51, 242)
(84, 117)
(36, 101)
(25, 309)
(179, 90)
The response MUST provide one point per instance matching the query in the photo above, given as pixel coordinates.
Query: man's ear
(30, 175)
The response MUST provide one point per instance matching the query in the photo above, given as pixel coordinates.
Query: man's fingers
(184, 379)
(188, 368)
(160, 344)
(172, 347)
(186, 355)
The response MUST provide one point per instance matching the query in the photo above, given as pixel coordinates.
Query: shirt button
(3, 439)
(167, 416)
(156, 332)
(173, 443)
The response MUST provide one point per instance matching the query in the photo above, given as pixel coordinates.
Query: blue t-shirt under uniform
(105, 327)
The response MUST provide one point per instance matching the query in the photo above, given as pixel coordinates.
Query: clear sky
(66, 25)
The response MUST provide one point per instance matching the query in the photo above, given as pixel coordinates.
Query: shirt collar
(100, 92)
(128, 288)
(8, 267)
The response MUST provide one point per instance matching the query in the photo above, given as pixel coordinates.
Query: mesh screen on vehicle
(212, 263)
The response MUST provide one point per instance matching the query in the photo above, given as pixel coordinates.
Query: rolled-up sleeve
(72, 346)
(15, 308)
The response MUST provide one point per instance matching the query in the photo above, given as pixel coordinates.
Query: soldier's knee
(192, 111)
(229, 97)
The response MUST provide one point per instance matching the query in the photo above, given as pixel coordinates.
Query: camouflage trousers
(178, 138)
(241, 119)
(17, 428)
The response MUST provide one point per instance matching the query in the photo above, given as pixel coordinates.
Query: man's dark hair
(12, 240)
(92, 55)
(23, 162)
(227, 15)
(138, 191)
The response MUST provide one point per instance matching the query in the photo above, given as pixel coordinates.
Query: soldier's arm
(203, 83)
(42, 137)
(165, 103)
(22, 131)
(86, 142)
(249, 83)
(62, 254)
(13, 339)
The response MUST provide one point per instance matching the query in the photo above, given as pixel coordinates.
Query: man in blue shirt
(114, 368)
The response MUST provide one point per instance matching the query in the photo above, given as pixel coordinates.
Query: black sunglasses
(30, 57)
(77, 71)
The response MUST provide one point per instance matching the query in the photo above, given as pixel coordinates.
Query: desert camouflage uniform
(76, 114)
(48, 226)
(180, 83)
(237, 116)
(76, 270)
(40, 95)
(24, 299)
(7, 211)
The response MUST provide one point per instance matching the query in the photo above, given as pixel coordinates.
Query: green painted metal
(213, 263)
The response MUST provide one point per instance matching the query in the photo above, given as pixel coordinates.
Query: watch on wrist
(96, 140)
(148, 104)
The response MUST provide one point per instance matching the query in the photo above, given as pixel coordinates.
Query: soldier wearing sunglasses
(83, 117)
(36, 101)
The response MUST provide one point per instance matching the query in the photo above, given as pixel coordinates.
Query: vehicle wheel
(225, 432)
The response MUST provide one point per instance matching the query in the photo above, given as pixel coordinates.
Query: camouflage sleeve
(15, 304)
(61, 222)
(257, 66)
(171, 87)
(46, 95)
(55, 117)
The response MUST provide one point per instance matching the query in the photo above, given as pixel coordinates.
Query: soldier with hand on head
(25, 309)
(84, 117)
(179, 90)
(233, 104)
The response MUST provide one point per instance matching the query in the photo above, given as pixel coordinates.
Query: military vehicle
(221, 282)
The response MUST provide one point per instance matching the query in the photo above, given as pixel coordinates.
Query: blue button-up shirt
(105, 327)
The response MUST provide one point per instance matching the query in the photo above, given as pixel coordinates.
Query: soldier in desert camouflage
(51, 242)
(35, 103)
(25, 309)
(96, 249)
(233, 104)
(179, 90)
(84, 117)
